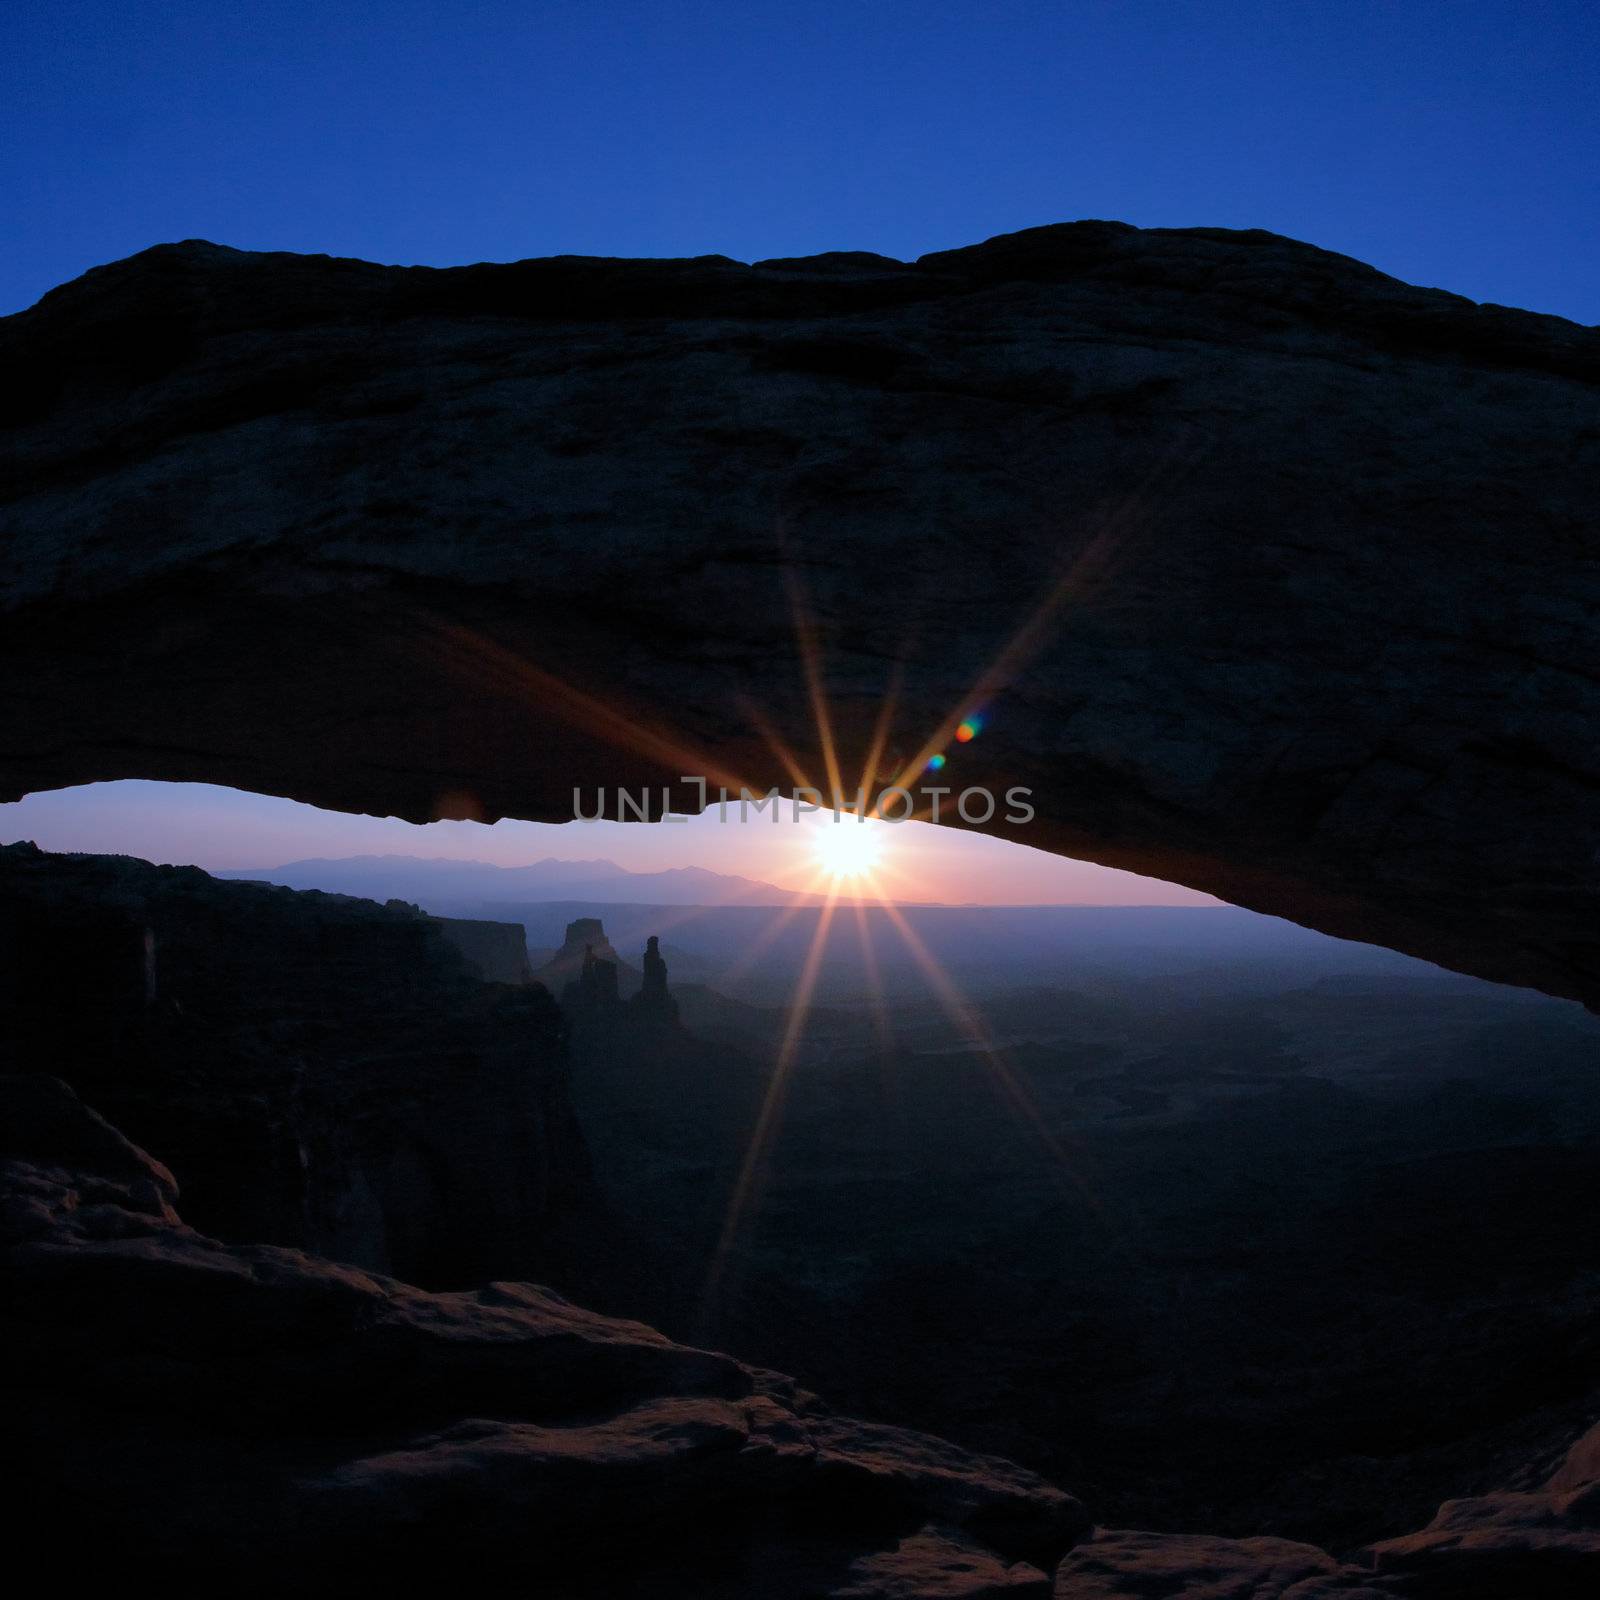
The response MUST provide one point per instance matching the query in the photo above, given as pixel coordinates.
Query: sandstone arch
(1311, 557)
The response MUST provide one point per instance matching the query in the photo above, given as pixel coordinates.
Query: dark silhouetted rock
(592, 980)
(932, 1565)
(248, 1413)
(1121, 1565)
(590, 1000)
(584, 946)
(1540, 1541)
(496, 951)
(322, 1072)
(1543, 1542)
(654, 1001)
(1273, 575)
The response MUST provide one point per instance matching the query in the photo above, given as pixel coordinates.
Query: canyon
(258, 1415)
(308, 1410)
(326, 1073)
(1272, 576)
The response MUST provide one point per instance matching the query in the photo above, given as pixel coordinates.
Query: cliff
(320, 1072)
(256, 1415)
(1272, 575)
(614, 1012)
(496, 951)
(586, 937)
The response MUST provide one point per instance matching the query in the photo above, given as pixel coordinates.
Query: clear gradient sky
(194, 824)
(1453, 143)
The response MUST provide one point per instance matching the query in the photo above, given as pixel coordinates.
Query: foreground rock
(1121, 1565)
(1541, 1540)
(1273, 575)
(184, 1406)
(320, 1072)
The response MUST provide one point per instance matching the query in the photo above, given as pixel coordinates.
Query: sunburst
(850, 863)
(849, 847)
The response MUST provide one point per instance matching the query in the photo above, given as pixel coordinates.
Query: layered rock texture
(319, 1071)
(1542, 1539)
(1272, 575)
(256, 1414)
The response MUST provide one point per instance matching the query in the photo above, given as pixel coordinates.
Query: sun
(847, 848)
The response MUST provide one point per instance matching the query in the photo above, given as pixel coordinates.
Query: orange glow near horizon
(222, 829)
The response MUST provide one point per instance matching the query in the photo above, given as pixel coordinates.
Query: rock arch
(1275, 576)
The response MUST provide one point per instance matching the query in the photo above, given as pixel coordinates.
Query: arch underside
(1272, 576)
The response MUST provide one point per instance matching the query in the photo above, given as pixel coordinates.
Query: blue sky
(1452, 144)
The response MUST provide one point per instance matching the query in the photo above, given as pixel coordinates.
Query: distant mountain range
(749, 940)
(443, 885)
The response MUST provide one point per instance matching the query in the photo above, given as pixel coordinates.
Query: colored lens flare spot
(935, 763)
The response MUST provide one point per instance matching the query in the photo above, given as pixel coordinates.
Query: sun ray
(869, 961)
(805, 633)
(881, 729)
(469, 652)
(786, 757)
(666, 919)
(969, 1024)
(751, 1169)
(728, 977)
(1092, 565)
